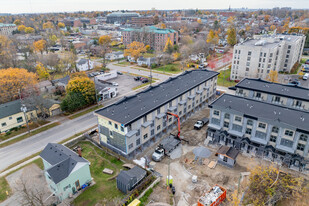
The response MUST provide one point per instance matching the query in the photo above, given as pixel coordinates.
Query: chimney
(79, 151)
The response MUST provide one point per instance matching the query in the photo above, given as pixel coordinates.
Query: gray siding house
(132, 124)
(227, 155)
(128, 180)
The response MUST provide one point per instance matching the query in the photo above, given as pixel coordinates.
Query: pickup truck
(165, 148)
(200, 123)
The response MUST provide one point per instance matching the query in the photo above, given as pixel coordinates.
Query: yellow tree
(135, 49)
(199, 21)
(84, 86)
(162, 26)
(39, 45)
(61, 25)
(168, 48)
(13, 81)
(212, 37)
(53, 39)
(29, 30)
(21, 28)
(176, 56)
(105, 42)
(272, 76)
(41, 71)
(231, 19)
(266, 18)
(48, 25)
(231, 36)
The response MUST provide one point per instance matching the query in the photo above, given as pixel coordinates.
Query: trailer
(166, 146)
(213, 197)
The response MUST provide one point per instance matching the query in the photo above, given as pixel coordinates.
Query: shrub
(8, 133)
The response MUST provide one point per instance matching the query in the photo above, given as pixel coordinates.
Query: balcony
(147, 124)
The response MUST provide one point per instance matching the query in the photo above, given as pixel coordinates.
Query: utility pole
(169, 172)
(23, 108)
(150, 74)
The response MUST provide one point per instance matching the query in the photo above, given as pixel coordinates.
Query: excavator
(168, 144)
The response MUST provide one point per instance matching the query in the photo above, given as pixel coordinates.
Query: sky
(41, 6)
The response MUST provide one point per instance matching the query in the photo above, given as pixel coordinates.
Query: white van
(306, 76)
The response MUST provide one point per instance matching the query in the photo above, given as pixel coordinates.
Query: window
(275, 130)
(303, 137)
(248, 58)
(216, 112)
(145, 136)
(277, 99)
(262, 125)
(273, 138)
(237, 119)
(247, 69)
(226, 124)
(260, 135)
(158, 111)
(249, 122)
(224, 159)
(248, 131)
(109, 122)
(152, 132)
(19, 119)
(249, 53)
(158, 127)
(258, 95)
(111, 133)
(288, 133)
(170, 119)
(227, 116)
(261, 54)
(298, 103)
(300, 147)
(116, 126)
(264, 54)
(10, 118)
(3, 124)
(289, 47)
(236, 127)
(286, 143)
(215, 121)
(138, 141)
(271, 55)
(122, 128)
(131, 146)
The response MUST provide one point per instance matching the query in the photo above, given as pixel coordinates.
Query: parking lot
(125, 84)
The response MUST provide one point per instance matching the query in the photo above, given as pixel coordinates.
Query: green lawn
(85, 111)
(125, 63)
(223, 79)
(5, 187)
(169, 68)
(104, 191)
(25, 136)
(23, 129)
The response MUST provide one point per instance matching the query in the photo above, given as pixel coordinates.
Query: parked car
(294, 82)
(115, 84)
(203, 66)
(144, 80)
(200, 123)
(120, 73)
(307, 61)
(137, 78)
(306, 76)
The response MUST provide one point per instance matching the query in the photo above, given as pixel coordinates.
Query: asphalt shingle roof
(131, 108)
(228, 151)
(258, 109)
(62, 159)
(274, 88)
(11, 108)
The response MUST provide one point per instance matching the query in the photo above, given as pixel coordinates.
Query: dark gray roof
(11, 108)
(82, 61)
(135, 172)
(274, 88)
(62, 159)
(64, 80)
(228, 151)
(131, 108)
(257, 109)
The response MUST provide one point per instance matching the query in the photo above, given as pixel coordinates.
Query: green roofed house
(155, 37)
(66, 172)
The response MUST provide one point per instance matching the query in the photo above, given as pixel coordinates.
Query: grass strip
(85, 112)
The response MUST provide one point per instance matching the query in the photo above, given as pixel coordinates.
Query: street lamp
(23, 108)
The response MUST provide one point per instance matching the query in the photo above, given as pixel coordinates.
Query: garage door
(56, 112)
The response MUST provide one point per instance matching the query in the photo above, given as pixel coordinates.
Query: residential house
(65, 171)
(262, 129)
(128, 180)
(84, 65)
(115, 56)
(62, 82)
(141, 61)
(11, 115)
(7, 29)
(135, 122)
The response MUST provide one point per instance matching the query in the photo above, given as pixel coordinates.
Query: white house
(108, 92)
(84, 65)
(115, 56)
(146, 61)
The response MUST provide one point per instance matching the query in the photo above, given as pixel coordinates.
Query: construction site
(194, 169)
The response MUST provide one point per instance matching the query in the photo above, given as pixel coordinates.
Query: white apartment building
(7, 29)
(256, 57)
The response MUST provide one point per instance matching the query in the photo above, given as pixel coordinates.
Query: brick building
(150, 35)
(142, 21)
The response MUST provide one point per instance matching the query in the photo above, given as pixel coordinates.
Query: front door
(77, 185)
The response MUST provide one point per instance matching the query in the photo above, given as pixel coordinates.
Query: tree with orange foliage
(61, 25)
(212, 37)
(17, 22)
(162, 26)
(272, 76)
(48, 25)
(39, 45)
(135, 49)
(272, 27)
(266, 18)
(13, 81)
(42, 71)
(105, 42)
(29, 30)
(199, 21)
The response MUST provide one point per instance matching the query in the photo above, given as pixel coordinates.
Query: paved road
(18, 151)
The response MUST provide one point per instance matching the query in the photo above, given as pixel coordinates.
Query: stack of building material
(213, 197)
